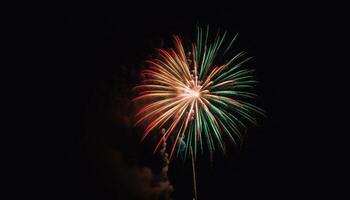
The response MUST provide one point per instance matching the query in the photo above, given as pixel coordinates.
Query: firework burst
(192, 96)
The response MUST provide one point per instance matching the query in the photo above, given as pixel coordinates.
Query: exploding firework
(197, 96)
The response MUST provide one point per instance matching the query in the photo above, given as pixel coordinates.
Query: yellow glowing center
(192, 92)
(195, 94)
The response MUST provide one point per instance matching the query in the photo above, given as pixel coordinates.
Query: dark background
(299, 151)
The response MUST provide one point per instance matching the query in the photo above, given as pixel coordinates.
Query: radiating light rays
(194, 99)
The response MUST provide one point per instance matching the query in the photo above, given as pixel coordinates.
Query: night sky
(296, 152)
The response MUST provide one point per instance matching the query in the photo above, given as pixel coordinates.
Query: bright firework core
(193, 90)
(195, 93)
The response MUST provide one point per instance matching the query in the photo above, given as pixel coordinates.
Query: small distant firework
(197, 96)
